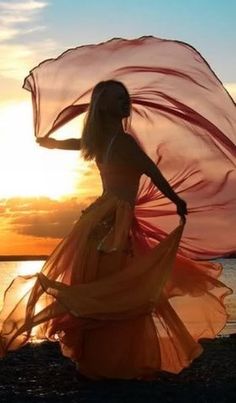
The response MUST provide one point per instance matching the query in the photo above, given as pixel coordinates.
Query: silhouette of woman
(121, 163)
(104, 298)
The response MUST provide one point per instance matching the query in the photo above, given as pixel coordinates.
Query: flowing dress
(117, 309)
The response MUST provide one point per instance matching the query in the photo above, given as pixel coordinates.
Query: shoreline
(19, 258)
(39, 373)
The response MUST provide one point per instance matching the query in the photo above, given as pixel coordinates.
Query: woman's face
(117, 102)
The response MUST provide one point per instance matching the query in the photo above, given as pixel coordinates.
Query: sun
(29, 170)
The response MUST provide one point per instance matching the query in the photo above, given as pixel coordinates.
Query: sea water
(9, 270)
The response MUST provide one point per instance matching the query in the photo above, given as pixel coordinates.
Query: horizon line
(9, 258)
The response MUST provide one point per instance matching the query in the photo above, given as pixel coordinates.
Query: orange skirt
(116, 311)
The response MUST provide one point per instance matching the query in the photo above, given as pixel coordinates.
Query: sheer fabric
(118, 312)
(182, 117)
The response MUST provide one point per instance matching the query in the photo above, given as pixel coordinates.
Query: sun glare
(30, 170)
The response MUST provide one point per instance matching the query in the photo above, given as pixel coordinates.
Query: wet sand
(39, 373)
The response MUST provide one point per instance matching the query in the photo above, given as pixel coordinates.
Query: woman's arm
(141, 160)
(69, 144)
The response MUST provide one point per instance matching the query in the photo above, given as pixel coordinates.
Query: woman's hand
(47, 142)
(182, 209)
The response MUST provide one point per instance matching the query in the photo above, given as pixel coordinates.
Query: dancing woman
(121, 163)
(118, 307)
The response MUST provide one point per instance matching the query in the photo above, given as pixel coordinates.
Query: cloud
(19, 19)
(56, 224)
(13, 14)
(17, 59)
(22, 5)
(7, 33)
(41, 217)
(9, 19)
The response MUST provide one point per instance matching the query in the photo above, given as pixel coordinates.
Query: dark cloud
(43, 217)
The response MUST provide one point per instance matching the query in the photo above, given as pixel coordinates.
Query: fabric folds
(183, 118)
(118, 312)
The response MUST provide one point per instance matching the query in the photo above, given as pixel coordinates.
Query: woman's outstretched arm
(69, 144)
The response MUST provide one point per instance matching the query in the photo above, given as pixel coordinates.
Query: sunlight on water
(9, 271)
(25, 268)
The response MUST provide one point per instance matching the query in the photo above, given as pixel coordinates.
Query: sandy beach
(39, 373)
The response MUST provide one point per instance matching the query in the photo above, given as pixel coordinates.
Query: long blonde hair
(94, 134)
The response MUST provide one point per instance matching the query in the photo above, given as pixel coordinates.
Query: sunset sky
(43, 191)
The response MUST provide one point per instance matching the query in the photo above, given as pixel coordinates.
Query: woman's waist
(107, 204)
(121, 194)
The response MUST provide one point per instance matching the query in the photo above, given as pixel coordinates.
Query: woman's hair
(94, 134)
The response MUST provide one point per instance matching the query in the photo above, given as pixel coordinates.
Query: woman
(99, 294)
(121, 163)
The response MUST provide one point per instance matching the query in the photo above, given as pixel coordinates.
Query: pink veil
(182, 117)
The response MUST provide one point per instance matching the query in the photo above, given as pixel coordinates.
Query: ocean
(10, 269)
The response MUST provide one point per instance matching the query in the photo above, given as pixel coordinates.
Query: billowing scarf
(182, 117)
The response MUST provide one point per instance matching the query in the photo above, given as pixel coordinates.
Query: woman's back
(119, 169)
